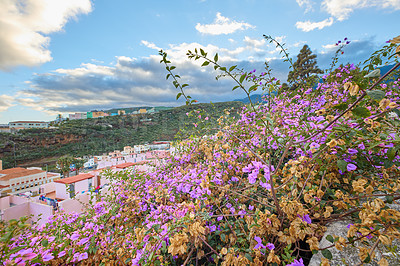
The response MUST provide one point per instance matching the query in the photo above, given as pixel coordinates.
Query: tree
(79, 163)
(304, 68)
(64, 164)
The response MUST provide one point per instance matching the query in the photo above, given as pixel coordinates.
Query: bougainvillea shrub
(254, 190)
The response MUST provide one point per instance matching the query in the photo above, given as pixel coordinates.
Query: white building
(21, 180)
(16, 125)
(141, 148)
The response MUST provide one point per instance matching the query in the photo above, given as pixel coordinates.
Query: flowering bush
(251, 190)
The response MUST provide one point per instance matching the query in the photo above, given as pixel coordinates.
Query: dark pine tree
(305, 68)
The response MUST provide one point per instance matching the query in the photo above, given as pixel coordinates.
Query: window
(72, 190)
(90, 183)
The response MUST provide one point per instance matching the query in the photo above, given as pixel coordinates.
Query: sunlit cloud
(25, 26)
(222, 25)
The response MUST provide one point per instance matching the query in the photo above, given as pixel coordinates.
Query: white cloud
(341, 10)
(24, 26)
(309, 25)
(222, 25)
(306, 3)
(137, 82)
(6, 102)
(150, 45)
(254, 42)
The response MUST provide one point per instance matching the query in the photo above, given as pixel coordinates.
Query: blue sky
(60, 56)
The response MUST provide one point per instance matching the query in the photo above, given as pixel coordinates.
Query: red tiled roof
(1, 186)
(12, 170)
(74, 179)
(124, 165)
(18, 172)
(49, 174)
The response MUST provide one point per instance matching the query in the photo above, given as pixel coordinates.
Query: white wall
(61, 191)
(49, 187)
(5, 203)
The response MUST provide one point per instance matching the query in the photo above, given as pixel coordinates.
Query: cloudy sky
(59, 56)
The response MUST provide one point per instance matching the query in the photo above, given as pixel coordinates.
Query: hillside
(96, 136)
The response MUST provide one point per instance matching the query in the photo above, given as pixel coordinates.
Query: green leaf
(222, 237)
(361, 111)
(234, 88)
(232, 68)
(341, 106)
(368, 258)
(391, 153)
(45, 243)
(327, 254)
(389, 199)
(248, 256)
(342, 165)
(178, 95)
(185, 85)
(253, 88)
(172, 68)
(329, 238)
(377, 95)
(205, 63)
(216, 58)
(168, 75)
(222, 68)
(202, 52)
(242, 77)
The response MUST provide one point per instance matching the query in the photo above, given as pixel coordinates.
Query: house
(160, 145)
(17, 125)
(20, 180)
(141, 148)
(5, 128)
(15, 207)
(77, 116)
(142, 111)
(121, 112)
(69, 187)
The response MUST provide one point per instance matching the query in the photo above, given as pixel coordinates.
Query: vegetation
(95, 136)
(255, 189)
(305, 68)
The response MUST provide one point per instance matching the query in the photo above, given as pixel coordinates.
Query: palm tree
(64, 164)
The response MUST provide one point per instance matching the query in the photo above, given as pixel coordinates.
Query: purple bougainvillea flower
(83, 241)
(251, 207)
(352, 151)
(47, 257)
(351, 167)
(348, 226)
(306, 218)
(259, 243)
(27, 254)
(361, 146)
(270, 246)
(62, 253)
(74, 236)
(83, 256)
(296, 263)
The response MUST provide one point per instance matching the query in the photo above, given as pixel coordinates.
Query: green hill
(95, 136)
